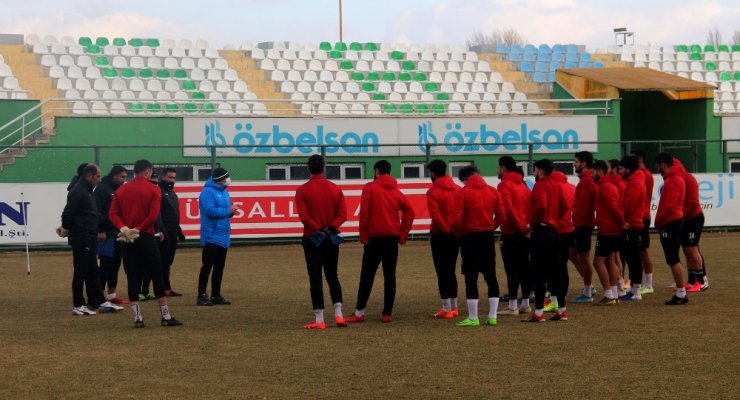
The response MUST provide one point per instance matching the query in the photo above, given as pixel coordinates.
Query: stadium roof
(607, 82)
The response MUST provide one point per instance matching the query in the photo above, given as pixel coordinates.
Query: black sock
(692, 277)
(703, 268)
(700, 276)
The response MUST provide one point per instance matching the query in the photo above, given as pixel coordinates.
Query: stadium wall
(11, 109)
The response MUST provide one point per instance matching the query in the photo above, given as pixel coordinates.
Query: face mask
(227, 181)
(168, 185)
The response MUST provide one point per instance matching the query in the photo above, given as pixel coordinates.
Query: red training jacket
(609, 214)
(380, 204)
(136, 205)
(649, 184)
(440, 202)
(320, 203)
(478, 208)
(585, 203)
(691, 205)
(672, 198)
(515, 196)
(565, 223)
(633, 200)
(547, 203)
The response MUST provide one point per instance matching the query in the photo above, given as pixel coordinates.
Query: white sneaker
(636, 296)
(110, 307)
(705, 285)
(508, 311)
(525, 310)
(82, 310)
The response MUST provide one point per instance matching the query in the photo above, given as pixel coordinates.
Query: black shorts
(670, 239)
(582, 239)
(691, 232)
(567, 239)
(606, 245)
(645, 234)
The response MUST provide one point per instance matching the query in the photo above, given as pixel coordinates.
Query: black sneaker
(505, 298)
(677, 301)
(219, 300)
(139, 324)
(203, 300)
(171, 322)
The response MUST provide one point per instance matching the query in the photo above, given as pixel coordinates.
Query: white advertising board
(731, 131)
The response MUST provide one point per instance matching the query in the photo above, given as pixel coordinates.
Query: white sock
(473, 308)
(338, 310)
(525, 302)
(512, 304)
(681, 292)
(110, 296)
(360, 313)
(453, 302)
(319, 315)
(165, 311)
(539, 312)
(620, 284)
(636, 288)
(493, 307)
(561, 310)
(136, 309)
(649, 281)
(587, 289)
(614, 292)
(447, 304)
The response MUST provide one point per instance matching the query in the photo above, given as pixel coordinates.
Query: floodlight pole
(340, 20)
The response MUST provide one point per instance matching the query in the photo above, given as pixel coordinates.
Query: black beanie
(630, 163)
(219, 174)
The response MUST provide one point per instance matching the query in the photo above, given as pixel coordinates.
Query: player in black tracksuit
(109, 263)
(170, 223)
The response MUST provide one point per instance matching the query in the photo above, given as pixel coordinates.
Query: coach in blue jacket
(215, 235)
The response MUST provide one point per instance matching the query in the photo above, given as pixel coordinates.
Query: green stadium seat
(723, 48)
(404, 77)
(736, 76)
(188, 85)
(725, 76)
(101, 62)
(84, 41)
(128, 73)
(336, 54)
(389, 76)
(171, 108)
(390, 108)
(371, 46)
(431, 87)
(92, 49)
(358, 76)
(420, 77)
(373, 76)
(119, 41)
(406, 109)
(136, 108)
(355, 46)
(154, 108)
(152, 42)
(379, 96)
(408, 66)
(397, 55)
(341, 46)
(735, 47)
(190, 108)
(710, 66)
(326, 46)
(208, 108)
(682, 48)
(146, 73)
(368, 87)
(102, 41)
(163, 74)
(709, 48)
(438, 108)
(346, 65)
(443, 96)
(422, 109)
(180, 74)
(135, 42)
(696, 57)
(110, 72)
(198, 95)
(695, 48)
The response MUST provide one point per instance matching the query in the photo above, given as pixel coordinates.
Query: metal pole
(323, 151)
(695, 153)
(340, 20)
(628, 148)
(24, 209)
(725, 157)
(97, 155)
(530, 159)
(213, 158)
(428, 154)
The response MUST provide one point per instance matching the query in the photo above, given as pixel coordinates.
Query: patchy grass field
(256, 348)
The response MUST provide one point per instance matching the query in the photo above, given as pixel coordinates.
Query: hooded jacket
(80, 215)
(380, 204)
(547, 204)
(672, 198)
(215, 212)
(609, 214)
(565, 223)
(478, 208)
(515, 196)
(440, 202)
(649, 184)
(585, 202)
(692, 204)
(633, 200)
(103, 198)
(320, 204)
(170, 210)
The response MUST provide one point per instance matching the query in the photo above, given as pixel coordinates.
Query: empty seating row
(395, 66)
(398, 87)
(67, 60)
(643, 57)
(325, 108)
(49, 40)
(197, 74)
(127, 51)
(92, 94)
(307, 55)
(134, 108)
(694, 66)
(410, 96)
(542, 48)
(137, 85)
(541, 66)
(374, 76)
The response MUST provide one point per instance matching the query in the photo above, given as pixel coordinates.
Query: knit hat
(219, 174)
(630, 163)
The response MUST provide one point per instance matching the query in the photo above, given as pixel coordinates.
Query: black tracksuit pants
(214, 259)
(167, 249)
(479, 256)
(632, 246)
(322, 258)
(379, 249)
(545, 256)
(109, 267)
(445, 248)
(85, 271)
(515, 254)
(139, 258)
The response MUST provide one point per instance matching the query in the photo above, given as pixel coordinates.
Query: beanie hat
(219, 174)
(630, 163)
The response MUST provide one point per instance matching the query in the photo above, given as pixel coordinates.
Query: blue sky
(411, 21)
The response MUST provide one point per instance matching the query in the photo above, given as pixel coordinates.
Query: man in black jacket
(169, 215)
(109, 250)
(80, 224)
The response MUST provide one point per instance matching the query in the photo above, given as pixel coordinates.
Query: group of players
(541, 230)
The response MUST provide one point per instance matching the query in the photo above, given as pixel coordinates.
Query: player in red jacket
(477, 212)
(566, 240)
(547, 206)
(613, 169)
(647, 261)
(444, 243)
(632, 205)
(609, 222)
(381, 232)
(322, 210)
(693, 224)
(514, 242)
(669, 221)
(584, 208)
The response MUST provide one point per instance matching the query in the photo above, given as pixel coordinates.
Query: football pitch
(257, 347)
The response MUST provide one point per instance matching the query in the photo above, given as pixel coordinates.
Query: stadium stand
(9, 86)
